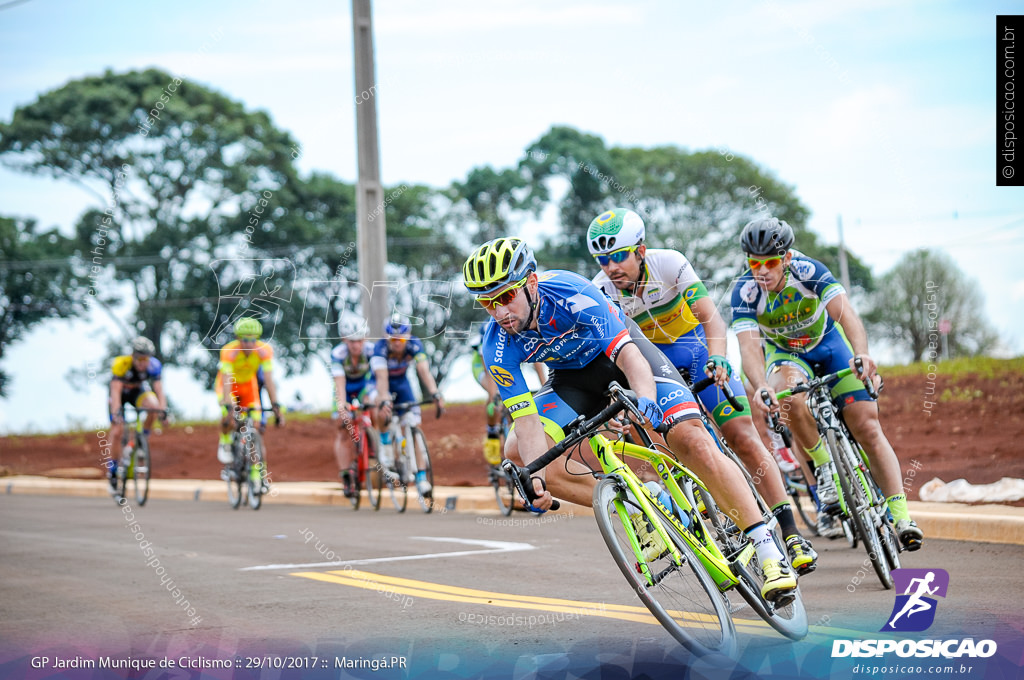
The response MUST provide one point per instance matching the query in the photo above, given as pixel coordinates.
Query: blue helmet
(398, 324)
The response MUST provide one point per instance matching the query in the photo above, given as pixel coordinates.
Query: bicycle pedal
(783, 599)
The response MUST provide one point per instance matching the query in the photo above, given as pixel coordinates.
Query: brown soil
(974, 432)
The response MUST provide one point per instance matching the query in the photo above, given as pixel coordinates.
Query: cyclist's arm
(227, 382)
(268, 379)
(423, 369)
(533, 443)
(115, 395)
(752, 359)
(340, 395)
(158, 389)
(842, 312)
(542, 372)
(637, 371)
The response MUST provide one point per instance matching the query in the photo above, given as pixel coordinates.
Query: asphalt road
(447, 595)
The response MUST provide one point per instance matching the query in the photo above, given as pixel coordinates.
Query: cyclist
(237, 387)
(492, 444)
(134, 379)
(811, 329)
(562, 319)
(390, 363)
(350, 367)
(660, 291)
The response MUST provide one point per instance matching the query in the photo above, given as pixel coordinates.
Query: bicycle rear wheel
(420, 443)
(256, 453)
(795, 483)
(143, 465)
(355, 471)
(789, 619)
(858, 505)
(684, 597)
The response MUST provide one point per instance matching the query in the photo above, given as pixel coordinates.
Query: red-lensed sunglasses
(768, 263)
(502, 299)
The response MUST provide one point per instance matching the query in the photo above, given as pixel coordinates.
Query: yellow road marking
(436, 591)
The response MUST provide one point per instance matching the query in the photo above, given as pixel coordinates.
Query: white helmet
(614, 229)
(352, 328)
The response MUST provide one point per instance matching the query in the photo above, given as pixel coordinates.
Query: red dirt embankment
(966, 427)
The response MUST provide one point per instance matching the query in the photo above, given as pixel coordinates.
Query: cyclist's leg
(148, 400)
(226, 421)
(344, 441)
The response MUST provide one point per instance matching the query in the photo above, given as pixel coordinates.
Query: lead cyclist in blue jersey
(811, 329)
(563, 320)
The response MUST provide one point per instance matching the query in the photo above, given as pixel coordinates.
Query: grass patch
(982, 367)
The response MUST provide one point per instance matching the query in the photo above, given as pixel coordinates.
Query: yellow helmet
(498, 263)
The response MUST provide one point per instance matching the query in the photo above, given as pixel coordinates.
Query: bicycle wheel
(355, 471)
(795, 483)
(374, 472)
(858, 505)
(684, 597)
(394, 480)
(504, 491)
(237, 474)
(143, 466)
(420, 443)
(255, 452)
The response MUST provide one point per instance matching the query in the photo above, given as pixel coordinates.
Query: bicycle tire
(355, 471)
(686, 600)
(142, 468)
(394, 479)
(504, 490)
(426, 502)
(257, 455)
(374, 472)
(240, 470)
(858, 506)
(809, 519)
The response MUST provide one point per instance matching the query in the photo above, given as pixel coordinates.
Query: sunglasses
(502, 299)
(617, 256)
(768, 263)
(243, 338)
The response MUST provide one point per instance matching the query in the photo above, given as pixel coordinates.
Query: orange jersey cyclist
(660, 291)
(236, 384)
(563, 320)
(811, 328)
(134, 380)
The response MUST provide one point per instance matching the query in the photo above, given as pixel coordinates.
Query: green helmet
(248, 327)
(614, 229)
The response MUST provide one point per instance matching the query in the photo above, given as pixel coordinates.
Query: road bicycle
(136, 464)
(706, 555)
(861, 501)
(364, 471)
(247, 473)
(504, 490)
(398, 459)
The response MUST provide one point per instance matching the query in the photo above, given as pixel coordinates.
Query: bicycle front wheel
(394, 479)
(257, 455)
(143, 465)
(420, 444)
(504, 491)
(858, 505)
(683, 597)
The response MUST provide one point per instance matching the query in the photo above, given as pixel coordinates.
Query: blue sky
(881, 111)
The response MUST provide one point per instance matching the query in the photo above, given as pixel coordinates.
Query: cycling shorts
(246, 395)
(569, 393)
(134, 396)
(691, 357)
(832, 354)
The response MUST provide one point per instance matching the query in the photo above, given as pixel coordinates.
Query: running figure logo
(914, 610)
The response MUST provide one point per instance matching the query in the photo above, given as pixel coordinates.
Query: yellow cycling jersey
(243, 366)
(662, 311)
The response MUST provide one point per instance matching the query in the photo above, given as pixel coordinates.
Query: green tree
(924, 288)
(179, 173)
(37, 281)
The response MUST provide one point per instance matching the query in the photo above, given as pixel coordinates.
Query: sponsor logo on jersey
(501, 377)
(748, 293)
(802, 268)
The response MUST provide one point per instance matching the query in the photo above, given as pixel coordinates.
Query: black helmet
(770, 236)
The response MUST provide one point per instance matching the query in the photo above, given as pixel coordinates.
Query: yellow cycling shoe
(651, 543)
(779, 582)
(492, 451)
(801, 555)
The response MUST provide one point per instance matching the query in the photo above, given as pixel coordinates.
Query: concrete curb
(950, 521)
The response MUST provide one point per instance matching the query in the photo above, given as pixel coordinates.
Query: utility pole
(371, 235)
(844, 269)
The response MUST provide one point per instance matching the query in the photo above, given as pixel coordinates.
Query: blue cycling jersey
(397, 366)
(576, 323)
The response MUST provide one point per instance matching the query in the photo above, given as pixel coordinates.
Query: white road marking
(489, 547)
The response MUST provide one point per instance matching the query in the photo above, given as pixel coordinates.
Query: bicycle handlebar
(705, 383)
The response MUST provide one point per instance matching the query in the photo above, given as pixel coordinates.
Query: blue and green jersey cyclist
(811, 329)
